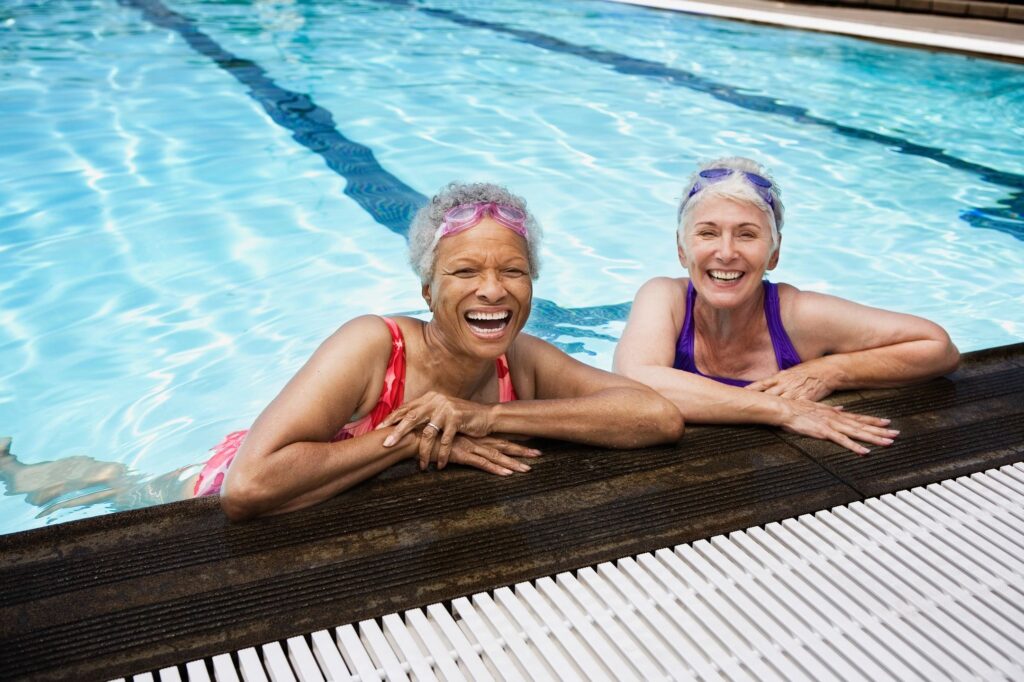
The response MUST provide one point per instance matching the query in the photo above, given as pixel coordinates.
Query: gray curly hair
(422, 245)
(734, 187)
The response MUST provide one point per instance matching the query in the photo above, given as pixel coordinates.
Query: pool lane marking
(913, 37)
(388, 200)
(1005, 218)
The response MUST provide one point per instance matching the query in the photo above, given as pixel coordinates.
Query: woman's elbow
(670, 421)
(946, 356)
(951, 360)
(240, 499)
(661, 423)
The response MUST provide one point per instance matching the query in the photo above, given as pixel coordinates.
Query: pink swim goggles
(461, 218)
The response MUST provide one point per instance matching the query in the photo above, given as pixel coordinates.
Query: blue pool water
(195, 194)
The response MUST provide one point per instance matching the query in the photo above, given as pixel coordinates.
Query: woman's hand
(808, 418)
(805, 381)
(493, 455)
(442, 417)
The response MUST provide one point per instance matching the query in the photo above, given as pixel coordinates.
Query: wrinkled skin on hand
(441, 419)
(488, 453)
(796, 383)
(809, 418)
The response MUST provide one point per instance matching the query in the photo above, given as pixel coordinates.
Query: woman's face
(481, 290)
(729, 247)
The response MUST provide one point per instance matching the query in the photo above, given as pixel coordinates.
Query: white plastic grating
(924, 584)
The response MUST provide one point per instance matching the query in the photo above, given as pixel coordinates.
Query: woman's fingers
(496, 457)
(863, 436)
(847, 442)
(866, 433)
(485, 464)
(445, 445)
(516, 449)
(393, 418)
(491, 460)
(508, 447)
(761, 384)
(863, 418)
(403, 427)
(486, 454)
(867, 423)
(428, 438)
(844, 428)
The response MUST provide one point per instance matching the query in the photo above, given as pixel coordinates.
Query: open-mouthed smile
(488, 323)
(725, 275)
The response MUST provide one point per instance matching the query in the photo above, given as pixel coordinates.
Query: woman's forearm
(597, 419)
(706, 401)
(302, 474)
(889, 366)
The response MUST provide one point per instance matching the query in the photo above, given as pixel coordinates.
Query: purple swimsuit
(785, 354)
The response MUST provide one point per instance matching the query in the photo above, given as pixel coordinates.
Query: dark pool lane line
(1007, 217)
(386, 198)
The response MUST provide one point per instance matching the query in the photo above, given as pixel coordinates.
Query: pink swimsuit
(392, 394)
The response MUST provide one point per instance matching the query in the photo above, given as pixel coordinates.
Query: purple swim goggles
(465, 216)
(709, 176)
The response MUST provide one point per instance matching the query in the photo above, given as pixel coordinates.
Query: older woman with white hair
(381, 390)
(727, 346)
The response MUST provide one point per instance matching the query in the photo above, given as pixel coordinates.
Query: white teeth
(723, 274)
(476, 315)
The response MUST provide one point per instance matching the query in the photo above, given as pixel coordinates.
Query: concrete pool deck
(983, 37)
(135, 591)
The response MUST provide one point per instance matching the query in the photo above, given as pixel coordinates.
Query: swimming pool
(197, 193)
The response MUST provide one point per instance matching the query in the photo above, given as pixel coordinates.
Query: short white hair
(735, 187)
(423, 245)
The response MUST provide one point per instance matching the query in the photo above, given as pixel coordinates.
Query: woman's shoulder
(817, 322)
(663, 288)
(799, 304)
(362, 338)
(659, 308)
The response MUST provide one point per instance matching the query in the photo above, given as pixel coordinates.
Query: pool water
(195, 194)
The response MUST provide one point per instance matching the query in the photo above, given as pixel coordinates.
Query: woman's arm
(286, 460)
(561, 398)
(576, 402)
(856, 346)
(646, 353)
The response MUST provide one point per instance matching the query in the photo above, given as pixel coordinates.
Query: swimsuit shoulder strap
(394, 379)
(785, 353)
(684, 345)
(506, 391)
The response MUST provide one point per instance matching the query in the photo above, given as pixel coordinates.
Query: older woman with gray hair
(727, 346)
(382, 390)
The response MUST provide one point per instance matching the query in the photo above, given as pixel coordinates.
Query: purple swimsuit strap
(785, 353)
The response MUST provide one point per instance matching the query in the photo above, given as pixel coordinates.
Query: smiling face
(728, 249)
(481, 289)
